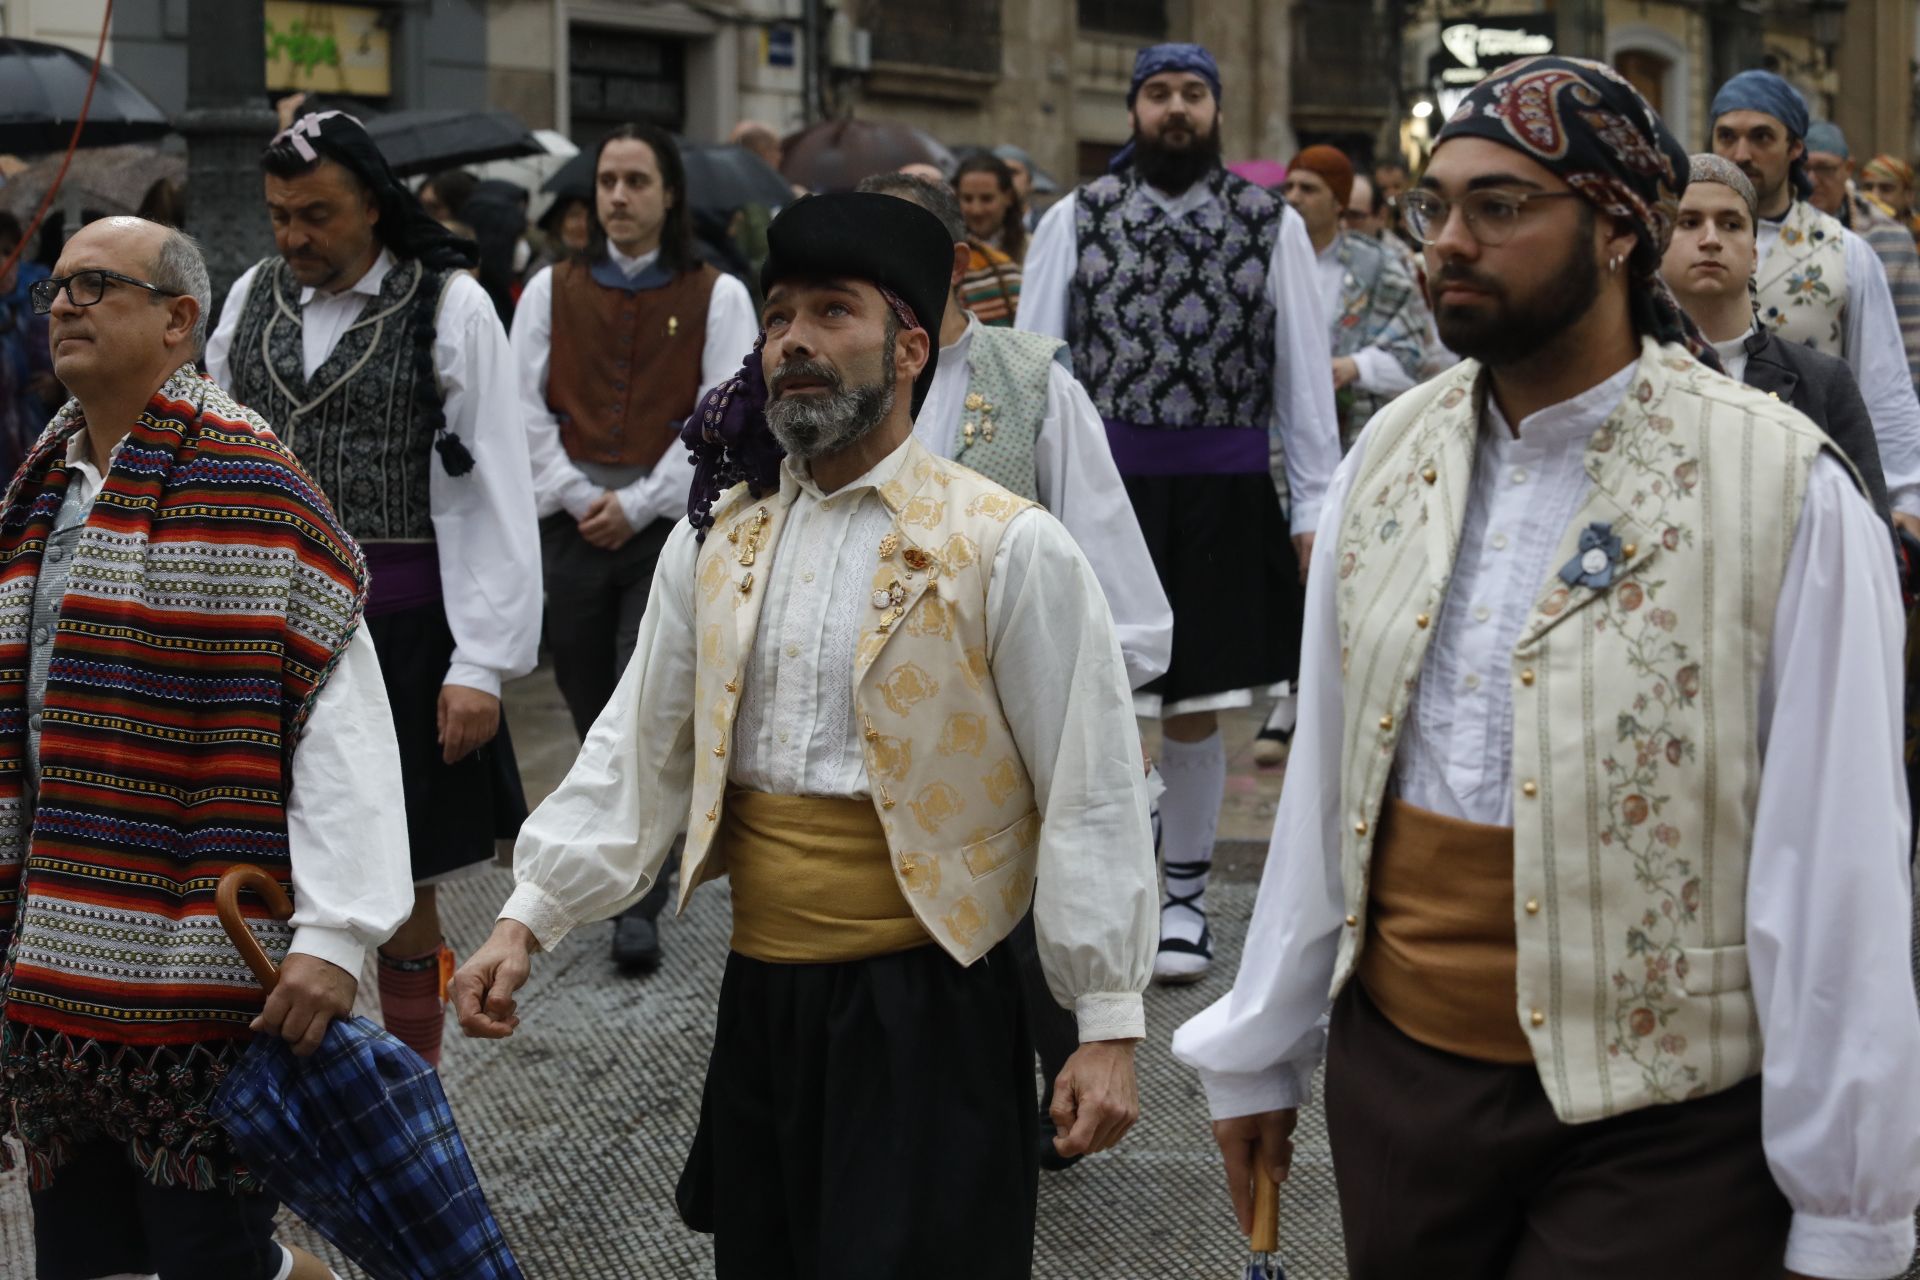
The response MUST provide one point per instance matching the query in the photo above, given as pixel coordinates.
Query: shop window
(1144, 18)
(962, 35)
(615, 77)
(1647, 72)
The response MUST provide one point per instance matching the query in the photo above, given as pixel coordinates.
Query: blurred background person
(996, 239)
(1889, 181)
(1830, 168)
(445, 194)
(29, 393)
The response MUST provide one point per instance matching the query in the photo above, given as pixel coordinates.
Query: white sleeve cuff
(1110, 1015)
(535, 908)
(1286, 1087)
(1305, 517)
(335, 946)
(637, 504)
(469, 676)
(1848, 1249)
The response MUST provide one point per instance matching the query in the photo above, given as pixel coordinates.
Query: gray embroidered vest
(1169, 317)
(359, 424)
(1005, 405)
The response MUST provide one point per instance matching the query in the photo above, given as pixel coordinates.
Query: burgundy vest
(624, 369)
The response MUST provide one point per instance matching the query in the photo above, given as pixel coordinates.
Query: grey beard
(815, 425)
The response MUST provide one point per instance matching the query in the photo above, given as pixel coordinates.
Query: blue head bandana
(1156, 59)
(1769, 94)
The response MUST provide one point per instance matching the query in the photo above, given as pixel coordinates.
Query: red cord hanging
(73, 144)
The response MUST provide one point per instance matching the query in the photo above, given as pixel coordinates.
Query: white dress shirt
(1379, 373)
(1878, 355)
(1733, 355)
(346, 814)
(483, 522)
(1062, 686)
(1829, 894)
(1078, 483)
(1303, 408)
(560, 485)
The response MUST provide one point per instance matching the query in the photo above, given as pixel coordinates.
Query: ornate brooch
(1597, 560)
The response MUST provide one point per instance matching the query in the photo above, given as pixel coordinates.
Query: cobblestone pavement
(579, 1123)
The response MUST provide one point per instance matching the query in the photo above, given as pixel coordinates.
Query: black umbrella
(720, 179)
(428, 141)
(41, 88)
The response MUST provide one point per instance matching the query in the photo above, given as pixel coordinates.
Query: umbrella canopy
(106, 180)
(357, 1139)
(428, 141)
(41, 88)
(1261, 173)
(720, 179)
(835, 155)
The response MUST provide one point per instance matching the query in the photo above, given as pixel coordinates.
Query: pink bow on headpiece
(308, 126)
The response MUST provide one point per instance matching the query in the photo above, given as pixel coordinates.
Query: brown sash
(812, 880)
(1440, 953)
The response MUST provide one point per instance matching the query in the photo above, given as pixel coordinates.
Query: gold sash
(812, 880)
(1441, 950)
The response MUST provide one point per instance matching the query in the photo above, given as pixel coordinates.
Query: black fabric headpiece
(862, 235)
(404, 227)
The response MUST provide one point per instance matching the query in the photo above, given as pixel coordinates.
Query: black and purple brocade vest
(1169, 319)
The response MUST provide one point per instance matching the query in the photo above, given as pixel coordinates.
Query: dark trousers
(101, 1217)
(867, 1121)
(1055, 1031)
(595, 601)
(1447, 1166)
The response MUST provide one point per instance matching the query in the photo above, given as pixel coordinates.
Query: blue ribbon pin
(1598, 557)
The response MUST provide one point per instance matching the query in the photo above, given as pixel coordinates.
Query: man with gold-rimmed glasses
(1619, 973)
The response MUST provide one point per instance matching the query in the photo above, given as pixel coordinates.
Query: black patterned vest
(1169, 319)
(359, 424)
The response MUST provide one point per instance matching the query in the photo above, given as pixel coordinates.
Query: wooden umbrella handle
(226, 902)
(1266, 1212)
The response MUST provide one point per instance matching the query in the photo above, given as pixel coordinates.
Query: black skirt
(1226, 561)
(454, 811)
(867, 1121)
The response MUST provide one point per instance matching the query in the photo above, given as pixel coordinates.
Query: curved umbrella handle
(1266, 1211)
(226, 902)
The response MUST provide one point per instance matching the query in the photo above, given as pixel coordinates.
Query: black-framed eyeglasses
(84, 288)
(1492, 216)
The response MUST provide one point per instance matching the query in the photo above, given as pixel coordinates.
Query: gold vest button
(1353, 922)
(1421, 620)
(1529, 788)
(1360, 828)
(1630, 550)
(1538, 1018)
(1533, 906)
(1386, 722)
(1526, 677)
(1430, 475)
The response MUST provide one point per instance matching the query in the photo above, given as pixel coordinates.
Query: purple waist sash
(400, 576)
(1186, 451)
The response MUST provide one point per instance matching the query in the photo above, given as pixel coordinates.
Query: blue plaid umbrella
(357, 1139)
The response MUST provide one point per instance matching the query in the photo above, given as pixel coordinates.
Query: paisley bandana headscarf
(1587, 124)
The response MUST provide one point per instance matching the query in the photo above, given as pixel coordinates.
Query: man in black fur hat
(382, 365)
(885, 698)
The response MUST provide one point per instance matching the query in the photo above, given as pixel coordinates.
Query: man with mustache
(1819, 283)
(383, 366)
(614, 347)
(1595, 829)
(884, 697)
(1187, 296)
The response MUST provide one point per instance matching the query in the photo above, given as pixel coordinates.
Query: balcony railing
(961, 35)
(1144, 18)
(1342, 58)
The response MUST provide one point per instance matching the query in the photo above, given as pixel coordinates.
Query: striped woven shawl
(210, 595)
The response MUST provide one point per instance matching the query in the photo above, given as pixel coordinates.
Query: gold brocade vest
(948, 784)
(1802, 286)
(1635, 715)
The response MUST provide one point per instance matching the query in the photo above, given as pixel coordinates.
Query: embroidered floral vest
(1803, 283)
(947, 780)
(1169, 318)
(1006, 402)
(1635, 744)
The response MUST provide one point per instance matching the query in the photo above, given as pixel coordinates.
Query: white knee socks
(1196, 778)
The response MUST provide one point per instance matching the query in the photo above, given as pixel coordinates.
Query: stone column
(226, 124)
(1875, 107)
